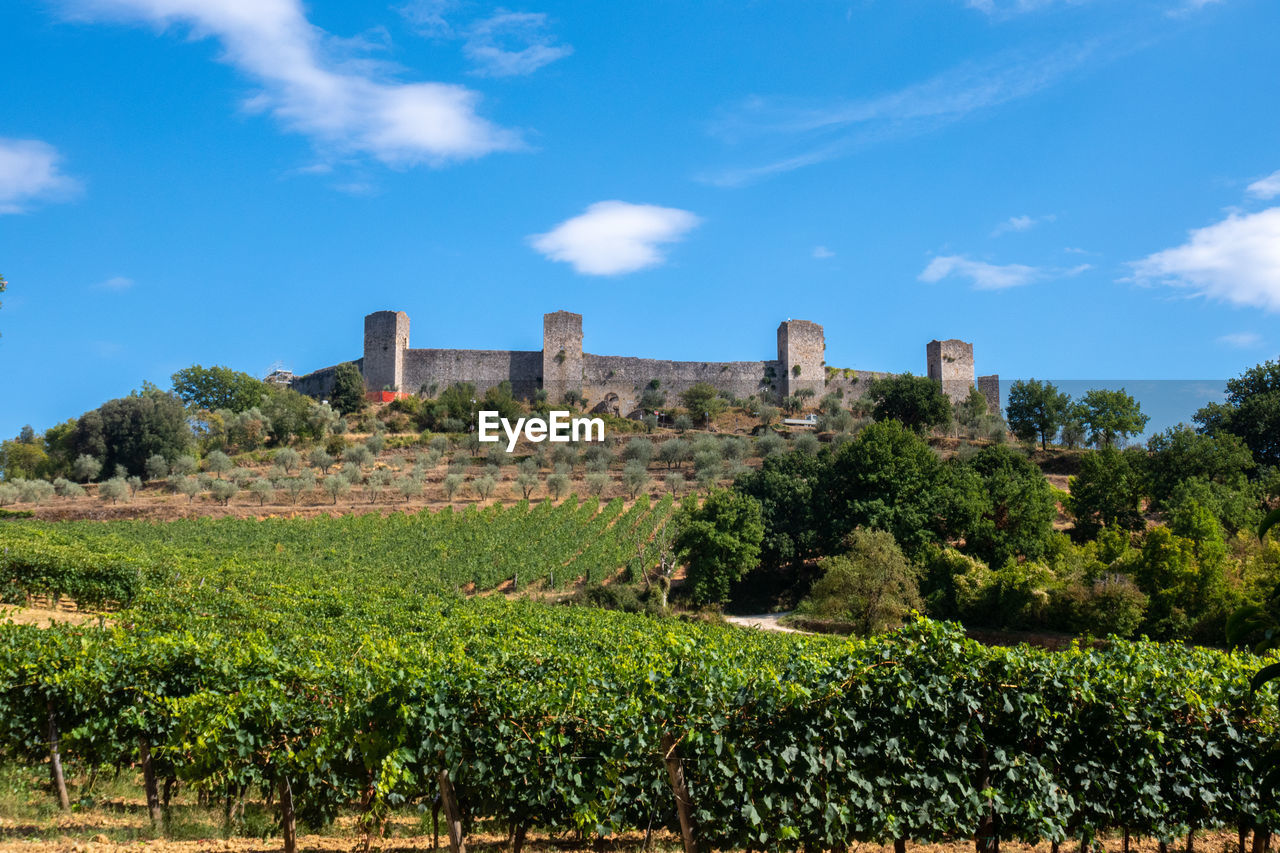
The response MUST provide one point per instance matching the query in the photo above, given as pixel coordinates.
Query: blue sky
(1082, 189)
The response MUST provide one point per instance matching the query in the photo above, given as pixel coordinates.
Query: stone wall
(319, 383)
(802, 349)
(386, 338)
(851, 384)
(614, 383)
(436, 369)
(951, 363)
(989, 387)
(561, 354)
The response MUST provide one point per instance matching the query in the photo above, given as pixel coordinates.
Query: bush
(720, 542)
(86, 468)
(223, 491)
(115, 490)
(872, 586)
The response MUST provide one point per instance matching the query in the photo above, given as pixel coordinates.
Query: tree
(970, 411)
(218, 462)
(483, 486)
(288, 459)
(1073, 430)
(1014, 518)
(157, 467)
(1180, 453)
(86, 468)
(347, 396)
(1036, 409)
(914, 401)
(1107, 492)
(1110, 415)
(115, 490)
(872, 585)
(635, 477)
(786, 486)
(223, 491)
(527, 478)
(675, 482)
(452, 483)
(262, 490)
(213, 388)
(702, 401)
(1251, 411)
(129, 430)
(597, 482)
(22, 460)
(652, 399)
(640, 450)
(719, 541)
(887, 478)
(558, 483)
(189, 486)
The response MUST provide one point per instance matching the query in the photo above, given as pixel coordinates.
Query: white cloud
(834, 129)
(1265, 188)
(509, 44)
(1236, 260)
(347, 106)
(116, 282)
(1020, 223)
(428, 16)
(614, 237)
(821, 253)
(1241, 340)
(30, 171)
(1009, 8)
(985, 276)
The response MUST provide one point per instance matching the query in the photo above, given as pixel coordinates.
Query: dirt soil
(90, 831)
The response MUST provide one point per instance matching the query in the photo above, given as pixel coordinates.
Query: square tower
(950, 363)
(802, 349)
(561, 354)
(386, 337)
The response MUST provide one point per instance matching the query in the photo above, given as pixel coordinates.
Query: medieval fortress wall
(614, 383)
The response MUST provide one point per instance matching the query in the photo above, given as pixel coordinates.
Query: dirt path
(764, 621)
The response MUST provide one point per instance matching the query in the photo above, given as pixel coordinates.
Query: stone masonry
(614, 383)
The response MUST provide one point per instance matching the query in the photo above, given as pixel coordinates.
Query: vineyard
(258, 562)
(332, 667)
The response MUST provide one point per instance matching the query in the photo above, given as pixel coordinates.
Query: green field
(336, 664)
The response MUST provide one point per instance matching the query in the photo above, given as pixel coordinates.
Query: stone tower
(386, 337)
(801, 357)
(561, 354)
(951, 364)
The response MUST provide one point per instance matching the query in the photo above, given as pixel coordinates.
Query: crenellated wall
(617, 381)
(430, 371)
(614, 383)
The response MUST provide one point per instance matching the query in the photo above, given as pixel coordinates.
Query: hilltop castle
(612, 383)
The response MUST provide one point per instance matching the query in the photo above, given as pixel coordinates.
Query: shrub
(719, 541)
(872, 586)
(156, 467)
(223, 491)
(635, 477)
(86, 468)
(115, 490)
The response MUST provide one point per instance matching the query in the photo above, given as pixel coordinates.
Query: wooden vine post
(288, 820)
(987, 838)
(55, 763)
(149, 782)
(452, 816)
(684, 806)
